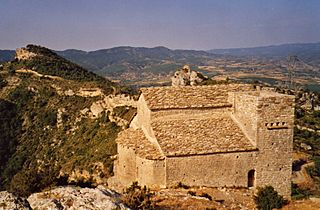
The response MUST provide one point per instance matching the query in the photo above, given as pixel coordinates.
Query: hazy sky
(177, 24)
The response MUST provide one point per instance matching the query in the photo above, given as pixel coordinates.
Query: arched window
(251, 178)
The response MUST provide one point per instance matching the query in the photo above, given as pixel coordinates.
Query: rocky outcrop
(185, 77)
(108, 104)
(97, 108)
(64, 198)
(98, 174)
(24, 54)
(8, 201)
(82, 92)
(76, 198)
(89, 92)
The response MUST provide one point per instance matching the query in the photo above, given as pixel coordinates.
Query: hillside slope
(58, 122)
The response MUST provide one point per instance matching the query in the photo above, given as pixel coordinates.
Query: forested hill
(139, 59)
(58, 125)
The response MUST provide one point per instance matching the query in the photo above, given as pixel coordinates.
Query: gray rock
(8, 201)
(76, 198)
(185, 76)
(305, 146)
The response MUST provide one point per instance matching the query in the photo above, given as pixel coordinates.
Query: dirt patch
(312, 204)
(205, 198)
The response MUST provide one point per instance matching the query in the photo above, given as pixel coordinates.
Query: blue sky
(177, 24)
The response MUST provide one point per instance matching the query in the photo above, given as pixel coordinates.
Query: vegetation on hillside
(49, 63)
(267, 199)
(45, 138)
(307, 141)
(137, 197)
(38, 150)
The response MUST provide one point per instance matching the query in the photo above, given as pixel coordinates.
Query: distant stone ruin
(185, 76)
(227, 135)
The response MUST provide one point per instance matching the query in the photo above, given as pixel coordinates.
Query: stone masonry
(226, 135)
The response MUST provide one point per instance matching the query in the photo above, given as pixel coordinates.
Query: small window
(251, 178)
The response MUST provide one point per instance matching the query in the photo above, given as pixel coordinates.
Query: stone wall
(151, 173)
(144, 119)
(218, 170)
(245, 114)
(130, 167)
(125, 167)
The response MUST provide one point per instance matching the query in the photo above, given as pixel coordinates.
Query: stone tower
(268, 120)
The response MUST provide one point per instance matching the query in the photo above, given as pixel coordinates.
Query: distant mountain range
(135, 62)
(308, 51)
(6, 55)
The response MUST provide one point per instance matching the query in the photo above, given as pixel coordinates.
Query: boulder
(96, 109)
(76, 198)
(305, 146)
(9, 201)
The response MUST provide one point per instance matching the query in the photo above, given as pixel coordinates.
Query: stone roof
(190, 96)
(216, 134)
(143, 147)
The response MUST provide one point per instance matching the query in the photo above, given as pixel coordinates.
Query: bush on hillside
(3, 82)
(137, 197)
(268, 199)
(298, 193)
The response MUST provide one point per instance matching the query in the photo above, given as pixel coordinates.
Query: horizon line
(158, 46)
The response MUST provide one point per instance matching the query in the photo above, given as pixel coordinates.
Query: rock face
(76, 198)
(8, 202)
(185, 77)
(64, 198)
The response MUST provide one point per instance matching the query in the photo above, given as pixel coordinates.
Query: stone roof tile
(215, 134)
(143, 147)
(190, 96)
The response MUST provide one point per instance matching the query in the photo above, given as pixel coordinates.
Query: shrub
(192, 193)
(314, 171)
(181, 185)
(268, 199)
(316, 160)
(137, 197)
(3, 82)
(206, 195)
(299, 193)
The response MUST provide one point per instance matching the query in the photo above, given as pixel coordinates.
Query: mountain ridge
(269, 50)
(142, 65)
